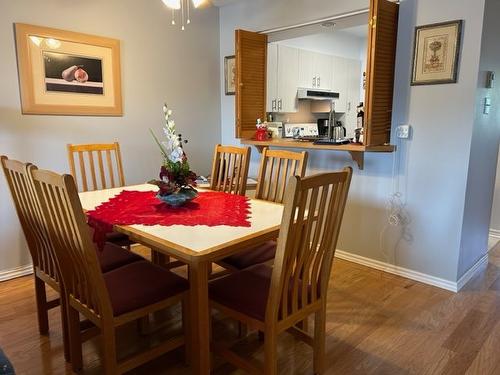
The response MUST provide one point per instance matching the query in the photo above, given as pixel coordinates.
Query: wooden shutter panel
(251, 66)
(382, 37)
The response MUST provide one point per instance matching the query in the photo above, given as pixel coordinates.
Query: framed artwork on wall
(437, 53)
(68, 73)
(230, 75)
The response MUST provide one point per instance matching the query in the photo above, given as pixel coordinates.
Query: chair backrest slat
(109, 172)
(30, 218)
(276, 167)
(230, 169)
(76, 256)
(314, 207)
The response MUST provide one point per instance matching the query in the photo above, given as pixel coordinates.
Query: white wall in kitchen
(159, 63)
(431, 169)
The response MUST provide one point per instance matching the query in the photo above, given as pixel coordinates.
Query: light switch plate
(487, 106)
(403, 131)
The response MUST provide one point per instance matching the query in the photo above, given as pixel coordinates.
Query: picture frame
(67, 73)
(436, 53)
(230, 75)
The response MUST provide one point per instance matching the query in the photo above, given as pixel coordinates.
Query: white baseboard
(414, 275)
(16, 272)
(495, 233)
(480, 264)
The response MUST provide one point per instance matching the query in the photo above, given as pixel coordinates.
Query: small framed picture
(437, 53)
(68, 73)
(230, 75)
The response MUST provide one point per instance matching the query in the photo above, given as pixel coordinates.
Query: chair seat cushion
(250, 257)
(113, 256)
(141, 284)
(245, 291)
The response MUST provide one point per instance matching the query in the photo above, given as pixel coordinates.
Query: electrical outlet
(403, 131)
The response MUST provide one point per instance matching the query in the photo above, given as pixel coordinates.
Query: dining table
(197, 246)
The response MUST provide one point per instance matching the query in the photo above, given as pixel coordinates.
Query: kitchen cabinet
(323, 71)
(272, 77)
(339, 82)
(315, 70)
(283, 75)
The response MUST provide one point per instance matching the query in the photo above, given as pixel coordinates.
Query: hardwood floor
(376, 324)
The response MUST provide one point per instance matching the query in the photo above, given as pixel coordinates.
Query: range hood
(316, 94)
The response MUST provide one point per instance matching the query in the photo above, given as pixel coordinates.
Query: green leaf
(159, 144)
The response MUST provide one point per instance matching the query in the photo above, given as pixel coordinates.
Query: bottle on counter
(360, 123)
(360, 115)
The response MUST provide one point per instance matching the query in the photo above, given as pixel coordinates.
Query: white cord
(397, 216)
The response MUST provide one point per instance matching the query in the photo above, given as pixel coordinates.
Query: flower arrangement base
(179, 198)
(261, 135)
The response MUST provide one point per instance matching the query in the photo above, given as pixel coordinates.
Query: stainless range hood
(316, 94)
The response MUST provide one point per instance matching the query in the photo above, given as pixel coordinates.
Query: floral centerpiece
(177, 182)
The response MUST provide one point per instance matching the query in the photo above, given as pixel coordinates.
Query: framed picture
(437, 52)
(230, 75)
(68, 73)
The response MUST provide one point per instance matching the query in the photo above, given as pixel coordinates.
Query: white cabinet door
(288, 76)
(306, 69)
(323, 71)
(339, 82)
(353, 95)
(272, 77)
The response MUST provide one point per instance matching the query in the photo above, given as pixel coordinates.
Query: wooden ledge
(356, 151)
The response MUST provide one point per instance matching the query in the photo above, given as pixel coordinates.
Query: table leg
(200, 317)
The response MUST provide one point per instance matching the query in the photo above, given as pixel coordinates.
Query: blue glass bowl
(179, 198)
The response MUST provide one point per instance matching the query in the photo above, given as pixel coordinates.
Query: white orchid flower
(176, 155)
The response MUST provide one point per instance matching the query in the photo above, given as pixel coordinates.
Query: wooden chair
(110, 175)
(230, 169)
(45, 267)
(274, 300)
(108, 300)
(276, 166)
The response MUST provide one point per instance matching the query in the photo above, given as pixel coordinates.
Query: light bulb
(197, 3)
(172, 4)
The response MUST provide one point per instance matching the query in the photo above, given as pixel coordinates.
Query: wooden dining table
(197, 246)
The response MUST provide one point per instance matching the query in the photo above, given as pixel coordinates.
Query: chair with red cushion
(276, 166)
(275, 299)
(109, 300)
(44, 265)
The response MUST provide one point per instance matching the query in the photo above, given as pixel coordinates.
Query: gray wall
(484, 148)
(495, 212)
(159, 63)
(430, 170)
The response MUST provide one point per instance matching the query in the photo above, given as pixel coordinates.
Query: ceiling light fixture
(185, 8)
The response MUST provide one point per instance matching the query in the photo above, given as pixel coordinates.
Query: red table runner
(129, 207)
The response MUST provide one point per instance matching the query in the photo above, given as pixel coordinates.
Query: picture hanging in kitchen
(230, 75)
(68, 73)
(437, 52)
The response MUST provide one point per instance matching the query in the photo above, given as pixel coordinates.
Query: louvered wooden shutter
(382, 37)
(251, 64)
